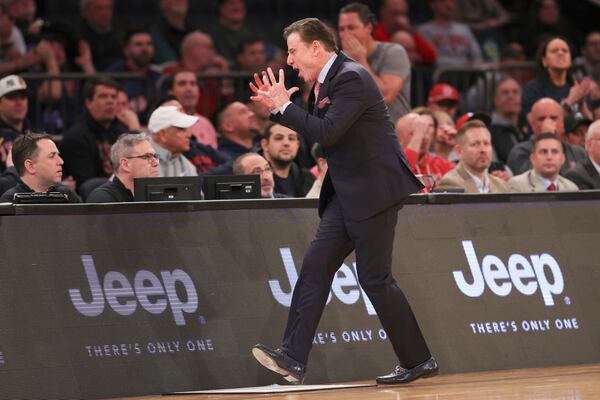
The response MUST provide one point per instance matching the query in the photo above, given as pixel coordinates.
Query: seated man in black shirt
(39, 166)
(132, 156)
(86, 145)
(280, 147)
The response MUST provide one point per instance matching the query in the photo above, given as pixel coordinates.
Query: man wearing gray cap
(13, 109)
(170, 129)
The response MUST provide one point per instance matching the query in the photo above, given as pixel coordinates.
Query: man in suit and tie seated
(366, 183)
(546, 158)
(586, 173)
(474, 150)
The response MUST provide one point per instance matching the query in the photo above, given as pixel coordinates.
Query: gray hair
(593, 130)
(122, 147)
(238, 164)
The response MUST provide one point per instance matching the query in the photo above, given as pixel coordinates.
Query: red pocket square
(324, 102)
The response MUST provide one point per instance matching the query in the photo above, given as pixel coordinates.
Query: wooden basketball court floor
(565, 383)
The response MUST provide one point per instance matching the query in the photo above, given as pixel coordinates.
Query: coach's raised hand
(269, 91)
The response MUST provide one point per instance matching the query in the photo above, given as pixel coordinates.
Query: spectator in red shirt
(416, 132)
(445, 137)
(393, 16)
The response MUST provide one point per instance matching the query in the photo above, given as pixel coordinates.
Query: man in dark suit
(586, 172)
(367, 181)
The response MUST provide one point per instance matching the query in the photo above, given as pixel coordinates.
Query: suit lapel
(494, 186)
(535, 184)
(324, 90)
(562, 184)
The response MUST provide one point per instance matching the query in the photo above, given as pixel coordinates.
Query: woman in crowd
(553, 78)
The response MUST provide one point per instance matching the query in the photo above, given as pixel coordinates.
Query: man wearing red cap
(443, 97)
(481, 116)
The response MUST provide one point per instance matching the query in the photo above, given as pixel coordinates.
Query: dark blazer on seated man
(585, 175)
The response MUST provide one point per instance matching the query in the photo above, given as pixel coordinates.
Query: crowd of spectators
(167, 94)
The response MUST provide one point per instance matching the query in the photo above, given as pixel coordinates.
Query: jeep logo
(155, 294)
(525, 274)
(345, 286)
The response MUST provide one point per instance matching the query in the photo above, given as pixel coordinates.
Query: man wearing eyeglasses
(132, 156)
(13, 110)
(171, 135)
(255, 164)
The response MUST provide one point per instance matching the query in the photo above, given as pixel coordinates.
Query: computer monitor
(168, 188)
(222, 187)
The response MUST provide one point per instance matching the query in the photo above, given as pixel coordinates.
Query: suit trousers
(373, 240)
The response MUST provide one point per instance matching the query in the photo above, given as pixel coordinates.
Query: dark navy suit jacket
(367, 169)
(584, 175)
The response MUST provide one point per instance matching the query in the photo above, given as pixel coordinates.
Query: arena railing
(483, 78)
(48, 116)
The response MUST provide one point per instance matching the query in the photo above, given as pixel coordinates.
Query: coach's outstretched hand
(269, 91)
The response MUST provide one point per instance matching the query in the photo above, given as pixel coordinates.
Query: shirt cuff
(281, 109)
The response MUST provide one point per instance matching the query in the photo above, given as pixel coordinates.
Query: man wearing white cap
(13, 109)
(170, 129)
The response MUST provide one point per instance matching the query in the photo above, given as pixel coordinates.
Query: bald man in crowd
(546, 115)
